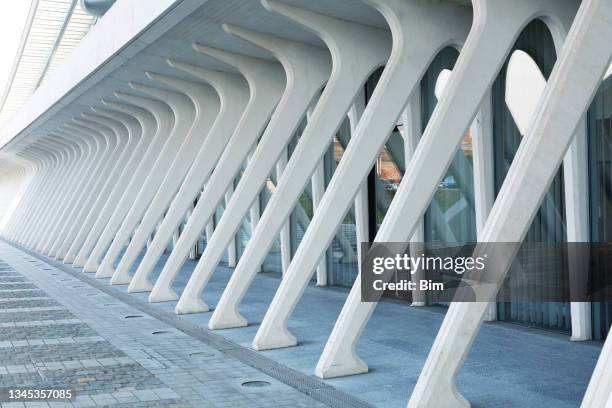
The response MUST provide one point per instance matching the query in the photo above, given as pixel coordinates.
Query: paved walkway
(509, 365)
(56, 331)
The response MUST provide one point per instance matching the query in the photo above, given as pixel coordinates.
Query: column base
(276, 337)
(228, 319)
(350, 366)
(191, 306)
(162, 295)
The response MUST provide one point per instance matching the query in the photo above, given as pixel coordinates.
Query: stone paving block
(60, 352)
(42, 315)
(128, 366)
(15, 286)
(13, 405)
(11, 294)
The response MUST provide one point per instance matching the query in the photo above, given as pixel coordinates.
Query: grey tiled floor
(509, 366)
(69, 334)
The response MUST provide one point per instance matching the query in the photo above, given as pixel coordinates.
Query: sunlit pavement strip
(113, 354)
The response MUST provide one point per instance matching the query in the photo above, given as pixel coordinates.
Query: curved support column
(306, 69)
(64, 177)
(599, 391)
(204, 100)
(346, 42)
(351, 46)
(127, 185)
(24, 172)
(50, 160)
(104, 186)
(84, 180)
(89, 185)
(233, 95)
(416, 32)
(165, 122)
(582, 62)
(496, 25)
(57, 151)
(40, 167)
(67, 187)
(184, 115)
(96, 188)
(266, 81)
(42, 204)
(77, 234)
(52, 153)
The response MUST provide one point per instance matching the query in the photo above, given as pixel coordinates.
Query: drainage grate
(132, 316)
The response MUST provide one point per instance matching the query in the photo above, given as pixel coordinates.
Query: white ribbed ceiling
(53, 29)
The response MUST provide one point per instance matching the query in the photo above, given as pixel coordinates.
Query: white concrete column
(175, 237)
(239, 121)
(306, 68)
(317, 185)
(52, 159)
(285, 232)
(158, 150)
(39, 222)
(39, 164)
(255, 210)
(103, 203)
(484, 193)
(75, 181)
(184, 113)
(55, 197)
(491, 37)
(45, 198)
(360, 155)
(411, 130)
(101, 188)
(569, 92)
(576, 188)
(71, 184)
(362, 227)
(204, 100)
(83, 185)
(192, 251)
(599, 391)
(209, 230)
(60, 249)
(231, 248)
(127, 186)
(347, 42)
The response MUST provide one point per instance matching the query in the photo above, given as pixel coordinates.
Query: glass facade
(599, 122)
(549, 223)
(450, 217)
(341, 257)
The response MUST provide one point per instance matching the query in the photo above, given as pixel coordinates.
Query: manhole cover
(256, 384)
